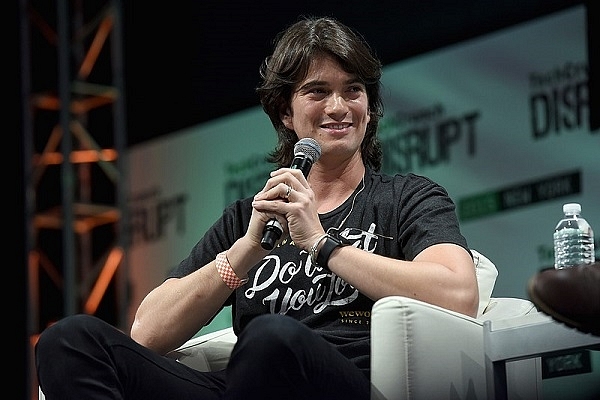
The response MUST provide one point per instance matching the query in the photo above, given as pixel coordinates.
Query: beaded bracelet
(227, 273)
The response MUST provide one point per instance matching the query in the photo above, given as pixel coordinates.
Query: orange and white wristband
(227, 273)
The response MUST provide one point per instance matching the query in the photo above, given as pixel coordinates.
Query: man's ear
(286, 118)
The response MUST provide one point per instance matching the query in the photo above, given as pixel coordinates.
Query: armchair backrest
(486, 279)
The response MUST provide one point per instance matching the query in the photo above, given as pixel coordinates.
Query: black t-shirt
(395, 216)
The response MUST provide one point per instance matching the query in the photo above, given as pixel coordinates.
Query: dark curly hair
(283, 70)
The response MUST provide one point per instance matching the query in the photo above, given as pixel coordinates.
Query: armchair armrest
(421, 351)
(208, 352)
(501, 308)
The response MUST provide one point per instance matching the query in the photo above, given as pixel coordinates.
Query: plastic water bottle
(573, 239)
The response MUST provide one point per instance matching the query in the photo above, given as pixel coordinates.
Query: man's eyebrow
(312, 84)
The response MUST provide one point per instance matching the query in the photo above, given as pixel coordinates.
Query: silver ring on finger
(288, 191)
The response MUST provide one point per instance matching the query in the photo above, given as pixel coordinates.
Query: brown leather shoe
(569, 295)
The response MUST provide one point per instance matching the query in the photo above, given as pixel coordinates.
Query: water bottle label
(573, 247)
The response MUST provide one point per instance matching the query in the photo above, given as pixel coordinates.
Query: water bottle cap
(572, 208)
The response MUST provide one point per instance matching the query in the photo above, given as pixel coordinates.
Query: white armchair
(418, 350)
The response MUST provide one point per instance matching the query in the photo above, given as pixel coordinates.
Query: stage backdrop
(502, 121)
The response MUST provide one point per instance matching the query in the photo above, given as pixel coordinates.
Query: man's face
(330, 106)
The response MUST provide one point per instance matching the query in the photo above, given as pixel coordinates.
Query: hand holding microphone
(306, 152)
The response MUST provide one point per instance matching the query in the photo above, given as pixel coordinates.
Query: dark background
(188, 62)
(199, 60)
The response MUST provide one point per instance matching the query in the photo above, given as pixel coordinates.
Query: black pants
(275, 357)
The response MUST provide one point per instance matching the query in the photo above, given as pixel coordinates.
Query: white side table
(525, 337)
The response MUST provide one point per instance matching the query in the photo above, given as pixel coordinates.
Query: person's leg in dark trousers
(83, 357)
(277, 357)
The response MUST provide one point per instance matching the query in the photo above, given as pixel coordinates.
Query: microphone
(306, 152)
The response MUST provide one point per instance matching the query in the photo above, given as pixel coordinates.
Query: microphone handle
(271, 234)
(273, 229)
(302, 163)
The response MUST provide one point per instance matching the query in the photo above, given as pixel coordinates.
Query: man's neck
(333, 186)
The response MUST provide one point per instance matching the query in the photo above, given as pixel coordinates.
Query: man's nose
(337, 104)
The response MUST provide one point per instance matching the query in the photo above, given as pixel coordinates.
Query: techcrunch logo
(510, 197)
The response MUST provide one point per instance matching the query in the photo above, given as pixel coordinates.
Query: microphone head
(308, 147)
